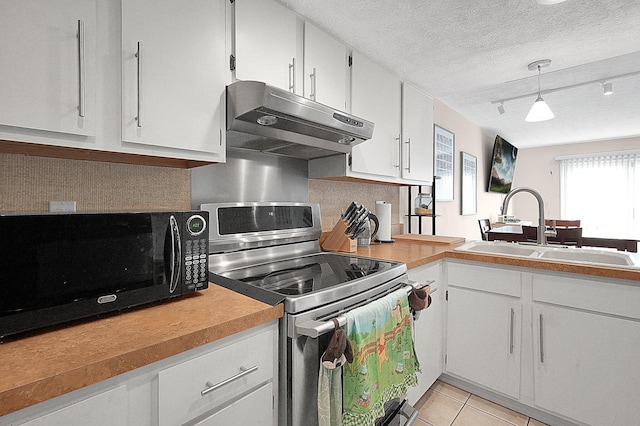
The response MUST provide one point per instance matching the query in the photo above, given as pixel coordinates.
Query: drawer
(597, 296)
(243, 365)
(491, 279)
(252, 410)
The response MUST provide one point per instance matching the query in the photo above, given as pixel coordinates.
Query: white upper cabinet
(376, 97)
(417, 135)
(47, 65)
(173, 78)
(266, 44)
(325, 68)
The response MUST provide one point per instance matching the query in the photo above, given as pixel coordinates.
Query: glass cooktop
(308, 274)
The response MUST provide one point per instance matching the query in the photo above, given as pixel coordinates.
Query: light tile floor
(446, 405)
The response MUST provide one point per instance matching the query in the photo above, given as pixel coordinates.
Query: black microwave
(56, 268)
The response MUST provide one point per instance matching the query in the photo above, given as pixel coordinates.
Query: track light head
(607, 89)
(501, 108)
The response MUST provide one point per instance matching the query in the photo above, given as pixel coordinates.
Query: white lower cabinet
(483, 328)
(214, 380)
(241, 369)
(105, 409)
(566, 346)
(587, 364)
(427, 334)
(253, 409)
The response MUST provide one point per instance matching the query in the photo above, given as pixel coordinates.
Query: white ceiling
(467, 53)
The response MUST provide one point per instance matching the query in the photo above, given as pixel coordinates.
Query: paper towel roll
(383, 212)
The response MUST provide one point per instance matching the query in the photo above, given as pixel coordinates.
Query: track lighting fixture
(605, 83)
(540, 111)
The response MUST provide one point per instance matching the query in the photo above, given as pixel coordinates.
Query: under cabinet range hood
(268, 119)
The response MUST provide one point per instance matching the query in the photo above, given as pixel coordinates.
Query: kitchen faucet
(542, 232)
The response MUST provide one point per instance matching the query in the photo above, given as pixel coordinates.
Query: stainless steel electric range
(271, 252)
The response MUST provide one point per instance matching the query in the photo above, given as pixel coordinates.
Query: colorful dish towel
(385, 363)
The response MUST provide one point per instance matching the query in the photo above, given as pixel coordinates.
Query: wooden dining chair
(485, 226)
(567, 237)
(530, 232)
(561, 223)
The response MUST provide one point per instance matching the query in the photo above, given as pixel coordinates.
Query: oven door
(307, 336)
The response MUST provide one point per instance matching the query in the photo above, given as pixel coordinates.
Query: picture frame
(444, 143)
(468, 184)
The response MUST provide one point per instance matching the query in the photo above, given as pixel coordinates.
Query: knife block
(337, 240)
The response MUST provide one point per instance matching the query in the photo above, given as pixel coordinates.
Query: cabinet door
(48, 65)
(376, 97)
(325, 68)
(190, 389)
(173, 74)
(255, 409)
(105, 409)
(428, 333)
(587, 365)
(417, 135)
(266, 43)
(483, 339)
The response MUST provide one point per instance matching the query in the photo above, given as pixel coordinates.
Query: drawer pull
(243, 372)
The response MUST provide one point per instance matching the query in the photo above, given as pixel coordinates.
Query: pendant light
(540, 111)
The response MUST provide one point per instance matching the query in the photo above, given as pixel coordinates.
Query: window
(602, 190)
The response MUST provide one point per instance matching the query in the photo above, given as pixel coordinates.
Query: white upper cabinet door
(325, 68)
(173, 74)
(417, 135)
(376, 97)
(47, 64)
(266, 44)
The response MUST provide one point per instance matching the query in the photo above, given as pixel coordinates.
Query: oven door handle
(315, 328)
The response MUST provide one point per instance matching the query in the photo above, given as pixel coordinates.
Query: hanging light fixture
(540, 111)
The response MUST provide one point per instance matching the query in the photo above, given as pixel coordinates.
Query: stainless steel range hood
(267, 119)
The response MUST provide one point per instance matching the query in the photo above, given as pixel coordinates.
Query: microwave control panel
(196, 254)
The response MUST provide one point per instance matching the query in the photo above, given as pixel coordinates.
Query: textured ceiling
(470, 53)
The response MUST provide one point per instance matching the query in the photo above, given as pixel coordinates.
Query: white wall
(472, 139)
(536, 168)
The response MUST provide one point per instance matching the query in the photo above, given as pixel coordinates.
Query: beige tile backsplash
(333, 196)
(28, 183)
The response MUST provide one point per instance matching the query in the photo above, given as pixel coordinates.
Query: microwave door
(173, 254)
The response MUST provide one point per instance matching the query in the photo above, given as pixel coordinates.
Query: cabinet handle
(408, 168)
(292, 75)
(541, 341)
(139, 63)
(81, 69)
(511, 331)
(398, 153)
(312, 76)
(243, 372)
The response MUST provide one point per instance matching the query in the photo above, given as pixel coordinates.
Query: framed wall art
(469, 184)
(444, 141)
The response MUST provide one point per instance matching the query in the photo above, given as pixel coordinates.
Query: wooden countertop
(416, 251)
(52, 362)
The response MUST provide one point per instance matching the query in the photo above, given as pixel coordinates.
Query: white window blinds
(602, 191)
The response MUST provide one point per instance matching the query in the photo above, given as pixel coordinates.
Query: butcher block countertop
(43, 365)
(53, 362)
